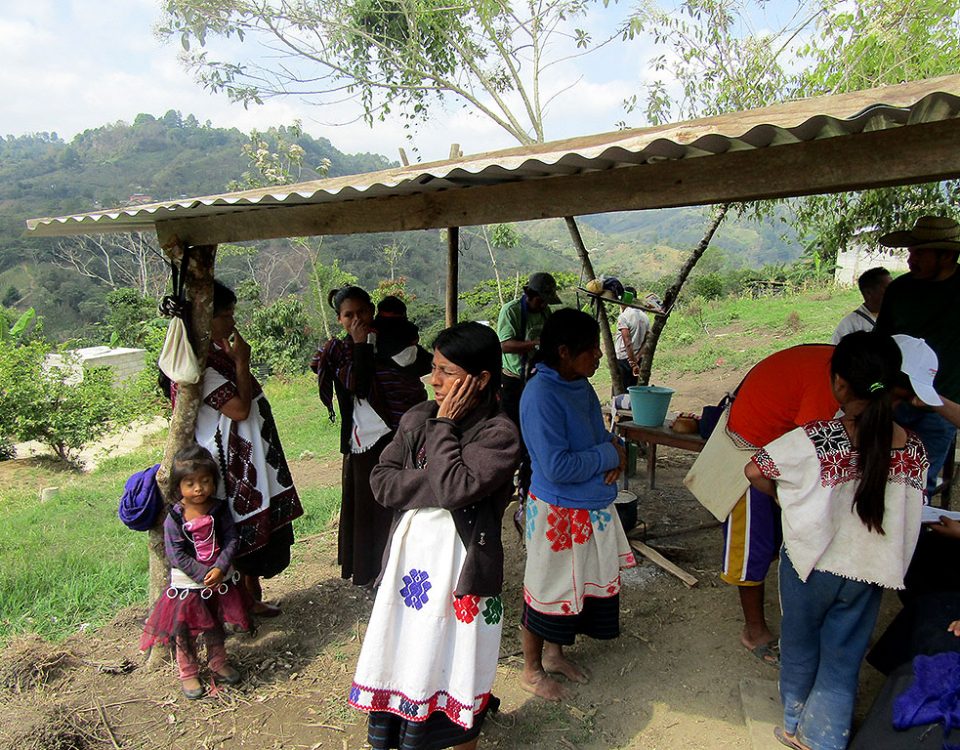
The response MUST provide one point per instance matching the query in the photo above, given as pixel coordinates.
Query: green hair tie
(878, 386)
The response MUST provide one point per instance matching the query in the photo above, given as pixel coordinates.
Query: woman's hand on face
(460, 399)
(358, 330)
(954, 627)
(238, 349)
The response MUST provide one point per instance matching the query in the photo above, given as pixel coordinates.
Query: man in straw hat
(925, 303)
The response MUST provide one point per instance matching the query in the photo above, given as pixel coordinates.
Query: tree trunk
(493, 262)
(183, 422)
(649, 347)
(453, 274)
(606, 337)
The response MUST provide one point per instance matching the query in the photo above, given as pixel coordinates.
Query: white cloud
(71, 65)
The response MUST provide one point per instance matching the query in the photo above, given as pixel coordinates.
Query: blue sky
(73, 65)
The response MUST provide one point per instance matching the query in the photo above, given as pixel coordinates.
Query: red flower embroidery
(558, 529)
(466, 608)
(580, 527)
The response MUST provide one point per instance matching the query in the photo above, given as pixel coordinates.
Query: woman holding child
(430, 653)
(376, 378)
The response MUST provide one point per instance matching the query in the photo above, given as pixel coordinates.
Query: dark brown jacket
(464, 467)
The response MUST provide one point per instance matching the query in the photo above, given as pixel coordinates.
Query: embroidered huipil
(816, 469)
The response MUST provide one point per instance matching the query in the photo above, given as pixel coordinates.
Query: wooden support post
(453, 273)
(183, 422)
(606, 338)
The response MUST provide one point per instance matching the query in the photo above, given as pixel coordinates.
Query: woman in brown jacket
(429, 658)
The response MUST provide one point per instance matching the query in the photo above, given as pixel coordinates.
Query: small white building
(864, 253)
(125, 363)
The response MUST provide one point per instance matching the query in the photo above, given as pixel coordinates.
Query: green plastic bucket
(649, 404)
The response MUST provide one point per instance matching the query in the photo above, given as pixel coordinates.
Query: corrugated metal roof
(761, 130)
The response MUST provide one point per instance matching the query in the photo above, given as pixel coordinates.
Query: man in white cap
(925, 303)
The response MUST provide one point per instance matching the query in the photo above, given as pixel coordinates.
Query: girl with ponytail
(851, 491)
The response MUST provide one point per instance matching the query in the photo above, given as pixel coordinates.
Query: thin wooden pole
(605, 336)
(453, 273)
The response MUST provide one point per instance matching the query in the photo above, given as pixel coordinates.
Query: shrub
(48, 403)
(279, 337)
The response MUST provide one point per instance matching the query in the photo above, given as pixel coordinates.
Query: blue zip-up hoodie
(570, 449)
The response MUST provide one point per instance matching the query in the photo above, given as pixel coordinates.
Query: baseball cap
(920, 366)
(544, 285)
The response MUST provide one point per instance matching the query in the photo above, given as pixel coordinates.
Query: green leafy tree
(51, 404)
(280, 339)
(131, 318)
(400, 58)
(721, 64)
(862, 45)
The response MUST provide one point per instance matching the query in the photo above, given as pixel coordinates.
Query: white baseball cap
(920, 366)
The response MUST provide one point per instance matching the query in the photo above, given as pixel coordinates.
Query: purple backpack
(141, 502)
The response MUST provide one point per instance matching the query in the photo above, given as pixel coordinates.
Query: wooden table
(654, 436)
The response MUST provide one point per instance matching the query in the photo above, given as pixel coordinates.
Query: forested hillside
(162, 158)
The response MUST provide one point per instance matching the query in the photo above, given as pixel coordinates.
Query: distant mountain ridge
(172, 156)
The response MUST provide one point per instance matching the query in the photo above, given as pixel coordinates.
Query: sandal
(789, 740)
(263, 609)
(768, 653)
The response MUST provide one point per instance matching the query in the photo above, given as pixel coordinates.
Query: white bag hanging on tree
(177, 358)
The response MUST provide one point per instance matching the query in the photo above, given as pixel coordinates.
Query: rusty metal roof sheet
(762, 131)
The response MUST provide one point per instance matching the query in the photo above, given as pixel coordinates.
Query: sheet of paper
(932, 515)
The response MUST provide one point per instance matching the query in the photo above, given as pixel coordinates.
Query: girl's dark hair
(870, 364)
(567, 327)
(474, 347)
(190, 460)
(336, 297)
(223, 297)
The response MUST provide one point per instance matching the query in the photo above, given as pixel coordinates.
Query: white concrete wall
(125, 363)
(859, 258)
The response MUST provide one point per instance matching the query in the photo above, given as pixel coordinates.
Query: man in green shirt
(518, 327)
(925, 303)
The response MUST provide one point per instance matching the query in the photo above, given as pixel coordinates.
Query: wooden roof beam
(913, 154)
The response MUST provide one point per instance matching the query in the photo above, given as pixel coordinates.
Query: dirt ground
(670, 680)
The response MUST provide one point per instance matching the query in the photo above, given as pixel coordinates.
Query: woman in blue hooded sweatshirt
(576, 546)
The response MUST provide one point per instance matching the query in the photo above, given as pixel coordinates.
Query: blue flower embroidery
(354, 693)
(493, 611)
(530, 523)
(600, 519)
(408, 707)
(414, 593)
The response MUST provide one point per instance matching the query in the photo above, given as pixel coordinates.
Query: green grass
(70, 562)
(302, 420)
(734, 333)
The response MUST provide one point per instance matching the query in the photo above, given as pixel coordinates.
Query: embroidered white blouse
(816, 470)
